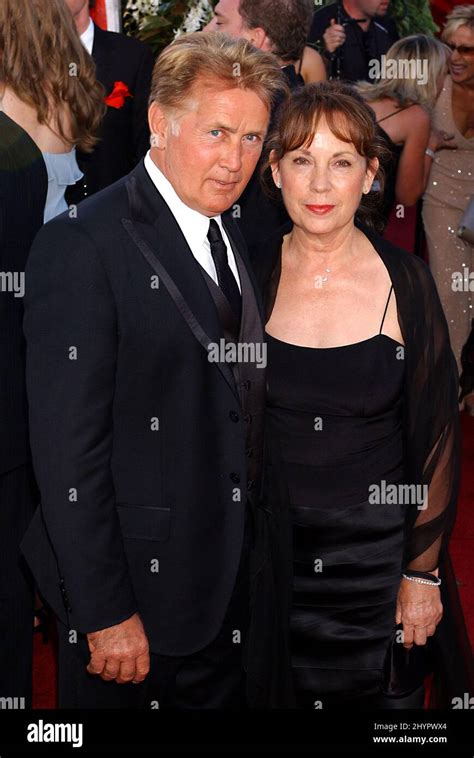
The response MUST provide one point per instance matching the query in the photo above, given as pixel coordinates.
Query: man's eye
(215, 132)
(254, 138)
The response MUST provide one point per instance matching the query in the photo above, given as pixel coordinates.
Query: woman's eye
(343, 163)
(300, 161)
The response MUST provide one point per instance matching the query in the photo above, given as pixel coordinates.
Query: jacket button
(234, 416)
(248, 418)
(235, 478)
(64, 596)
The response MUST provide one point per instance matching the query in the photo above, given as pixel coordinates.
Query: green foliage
(413, 17)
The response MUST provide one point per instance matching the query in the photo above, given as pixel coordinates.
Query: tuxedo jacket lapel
(99, 54)
(158, 237)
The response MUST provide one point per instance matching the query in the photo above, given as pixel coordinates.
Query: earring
(279, 185)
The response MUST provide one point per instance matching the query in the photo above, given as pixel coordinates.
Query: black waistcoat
(246, 356)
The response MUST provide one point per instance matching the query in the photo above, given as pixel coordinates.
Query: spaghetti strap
(399, 110)
(300, 64)
(386, 307)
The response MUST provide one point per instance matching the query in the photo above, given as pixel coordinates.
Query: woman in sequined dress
(451, 182)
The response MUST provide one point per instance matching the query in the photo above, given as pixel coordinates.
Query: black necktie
(225, 276)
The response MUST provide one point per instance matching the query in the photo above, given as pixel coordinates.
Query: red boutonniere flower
(116, 99)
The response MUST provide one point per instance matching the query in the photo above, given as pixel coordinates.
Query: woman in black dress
(362, 402)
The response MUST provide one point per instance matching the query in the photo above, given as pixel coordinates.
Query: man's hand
(120, 652)
(334, 36)
(419, 609)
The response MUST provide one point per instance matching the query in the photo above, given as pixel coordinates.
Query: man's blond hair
(216, 58)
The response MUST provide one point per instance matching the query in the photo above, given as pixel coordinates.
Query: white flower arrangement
(140, 8)
(198, 13)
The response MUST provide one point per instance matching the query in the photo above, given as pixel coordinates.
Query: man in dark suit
(145, 373)
(124, 67)
(23, 188)
(351, 33)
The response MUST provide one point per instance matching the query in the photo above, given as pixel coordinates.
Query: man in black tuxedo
(124, 136)
(146, 381)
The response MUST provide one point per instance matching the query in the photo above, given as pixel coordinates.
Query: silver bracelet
(419, 580)
(430, 152)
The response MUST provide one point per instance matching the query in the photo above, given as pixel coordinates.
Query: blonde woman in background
(48, 87)
(402, 107)
(451, 184)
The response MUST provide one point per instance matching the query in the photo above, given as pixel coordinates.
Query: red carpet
(462, 550)
(462, 541)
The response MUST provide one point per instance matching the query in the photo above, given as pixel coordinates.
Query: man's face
(210, 151)
(76, 6)
(228, 19)
(371, 8)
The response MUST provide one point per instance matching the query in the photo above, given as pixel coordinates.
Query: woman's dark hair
(349, 118)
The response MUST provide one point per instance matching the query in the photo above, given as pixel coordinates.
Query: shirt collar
(87, 37)
(194, 225)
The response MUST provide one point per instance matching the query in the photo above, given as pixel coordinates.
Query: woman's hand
(439, 140)
(419, 609)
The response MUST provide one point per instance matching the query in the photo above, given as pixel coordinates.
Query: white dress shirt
(87, 37)
(194, 225)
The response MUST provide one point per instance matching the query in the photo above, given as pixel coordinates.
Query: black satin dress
(337, 416)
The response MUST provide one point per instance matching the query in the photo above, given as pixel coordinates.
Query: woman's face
(322, 185)
(461, 65)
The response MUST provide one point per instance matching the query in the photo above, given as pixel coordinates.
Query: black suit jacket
(23, 188)
(138, 440)
(124, 134)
